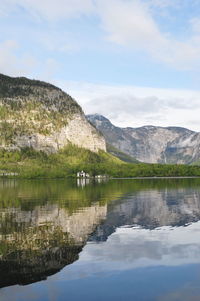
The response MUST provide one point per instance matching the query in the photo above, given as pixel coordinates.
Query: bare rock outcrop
(39, 115)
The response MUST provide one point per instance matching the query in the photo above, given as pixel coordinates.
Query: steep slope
(120, 155)
(151, 144)
(39, 115)
(118, 142)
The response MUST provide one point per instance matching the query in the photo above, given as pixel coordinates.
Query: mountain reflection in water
(47, 225)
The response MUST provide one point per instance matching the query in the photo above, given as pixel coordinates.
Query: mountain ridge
(151, 144)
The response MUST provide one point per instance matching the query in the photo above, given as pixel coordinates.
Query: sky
(137, 62)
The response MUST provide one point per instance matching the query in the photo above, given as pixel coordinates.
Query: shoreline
(96, 179)
(156, 178)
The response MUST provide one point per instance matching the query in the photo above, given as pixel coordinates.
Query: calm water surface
(119, 240)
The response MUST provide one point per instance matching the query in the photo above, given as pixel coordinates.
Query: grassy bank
(32, 164)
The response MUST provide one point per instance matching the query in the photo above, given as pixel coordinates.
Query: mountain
(151, 144)
(41, 116)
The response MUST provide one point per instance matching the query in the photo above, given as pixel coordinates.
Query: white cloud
(138, 106)
(162, 246)
(24, 64)
(195, 24)
(12, 64)
(51, 9)
(132, 24)
(129, 22)
(163, 3)
(167, 4)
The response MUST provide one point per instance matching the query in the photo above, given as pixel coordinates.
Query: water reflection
(39, 242)
(47, 225)
(83, 182)
(151, 209)
(136, 247)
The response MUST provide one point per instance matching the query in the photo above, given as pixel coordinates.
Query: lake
(97, 241)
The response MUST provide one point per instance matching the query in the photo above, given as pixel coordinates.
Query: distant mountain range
(151, 144)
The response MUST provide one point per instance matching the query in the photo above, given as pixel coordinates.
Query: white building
(82, 174)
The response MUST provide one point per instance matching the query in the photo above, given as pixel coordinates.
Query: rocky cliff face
(39, 115)
(151, 144)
